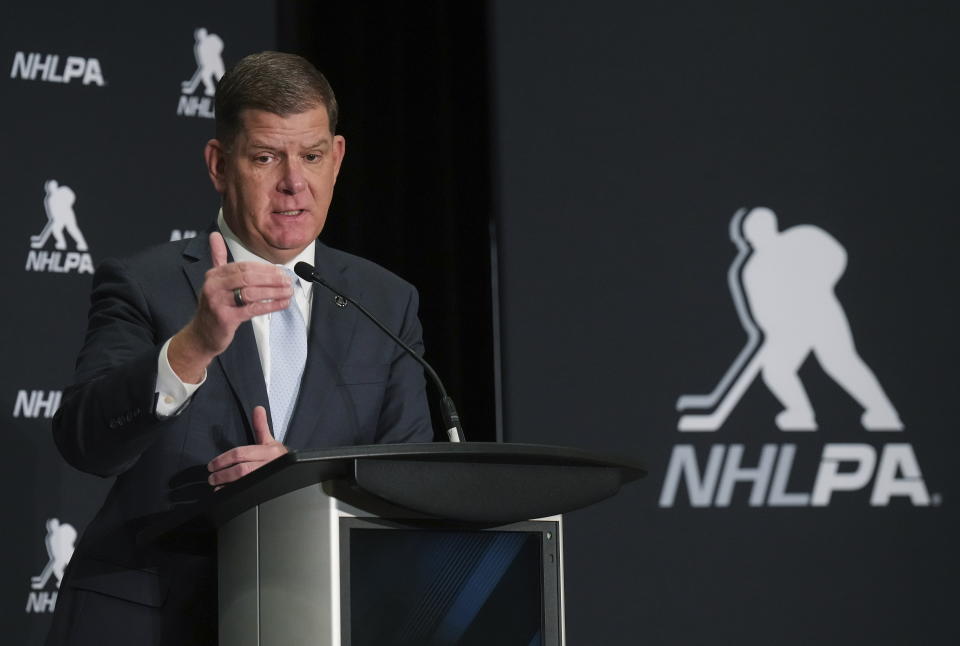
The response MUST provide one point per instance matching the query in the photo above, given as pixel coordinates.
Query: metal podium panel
(237, 584)
(299, 574)
(279, 575)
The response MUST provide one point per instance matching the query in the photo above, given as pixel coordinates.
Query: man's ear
(339, 150)
(215, 157)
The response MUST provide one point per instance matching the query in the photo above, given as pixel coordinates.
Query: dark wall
(414, 190)
(113, 133)
(629, 136)
(121, 134)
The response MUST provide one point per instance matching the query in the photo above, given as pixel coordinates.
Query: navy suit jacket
(358, 387)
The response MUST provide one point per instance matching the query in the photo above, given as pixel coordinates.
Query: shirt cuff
(173, 395)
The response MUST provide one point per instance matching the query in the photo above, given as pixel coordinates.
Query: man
(190, 356)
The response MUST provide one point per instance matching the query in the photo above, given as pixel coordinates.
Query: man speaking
(206, 358)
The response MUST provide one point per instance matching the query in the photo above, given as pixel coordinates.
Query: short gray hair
(283, 84)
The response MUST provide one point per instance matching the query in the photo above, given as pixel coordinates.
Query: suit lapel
(331, 332)
(241, 361)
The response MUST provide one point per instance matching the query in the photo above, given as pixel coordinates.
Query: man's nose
(291, 181)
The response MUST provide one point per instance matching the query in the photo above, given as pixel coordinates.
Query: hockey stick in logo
(207, 51)
(783, 285)
(58, 204)
(747, 364)
(60, 544)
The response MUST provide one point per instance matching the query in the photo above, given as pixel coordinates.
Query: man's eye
(262, 159)
(312, 157)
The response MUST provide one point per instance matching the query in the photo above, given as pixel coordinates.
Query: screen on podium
(435, 585)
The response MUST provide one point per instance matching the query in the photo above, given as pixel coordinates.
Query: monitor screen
(433, 586)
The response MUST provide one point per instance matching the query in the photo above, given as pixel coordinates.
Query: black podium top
(469, 482)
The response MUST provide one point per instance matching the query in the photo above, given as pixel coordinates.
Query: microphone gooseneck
(448, 410)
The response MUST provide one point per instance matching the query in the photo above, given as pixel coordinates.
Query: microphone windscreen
(304, 270)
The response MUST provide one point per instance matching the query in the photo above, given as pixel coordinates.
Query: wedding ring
(238, 297)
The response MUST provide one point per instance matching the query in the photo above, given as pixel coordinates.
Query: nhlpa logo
(59, 542)
(31, 66)
(37, 403)
(782, 284)
(61, 219)
(208, 52)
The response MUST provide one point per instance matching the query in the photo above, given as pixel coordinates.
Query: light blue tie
(288, 356)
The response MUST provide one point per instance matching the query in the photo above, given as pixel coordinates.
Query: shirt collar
(241, 254)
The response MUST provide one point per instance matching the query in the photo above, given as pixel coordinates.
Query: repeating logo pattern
(37, 403)
(58, 204)
(31, 66)
(208, 52)
(59, 542)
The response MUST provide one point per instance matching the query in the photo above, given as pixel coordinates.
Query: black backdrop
(414, 191)
(624, 140)
(120, 139)
(629, 134)
(122, 135)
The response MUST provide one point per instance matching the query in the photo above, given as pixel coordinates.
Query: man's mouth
(293, 212)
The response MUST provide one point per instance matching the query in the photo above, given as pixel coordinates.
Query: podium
(421, 544)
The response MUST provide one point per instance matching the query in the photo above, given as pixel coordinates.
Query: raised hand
(262, 289)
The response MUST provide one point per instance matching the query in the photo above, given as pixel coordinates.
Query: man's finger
(261, 427)
(229, 458)
(255, 294)
(232, 474)
(250, 310)
(246, 274)
(218, 249)
(251, 273)
(247, 453)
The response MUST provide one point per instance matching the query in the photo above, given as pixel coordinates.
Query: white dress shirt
(173, 393)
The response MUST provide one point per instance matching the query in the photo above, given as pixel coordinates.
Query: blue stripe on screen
(475, 591)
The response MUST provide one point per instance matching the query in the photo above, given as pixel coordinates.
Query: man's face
(277, 180)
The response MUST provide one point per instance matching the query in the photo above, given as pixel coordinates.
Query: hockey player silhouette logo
(208, 51)
(60, 540)
(58, 203)
(782, 283)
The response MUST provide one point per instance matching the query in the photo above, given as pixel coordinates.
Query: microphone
(451, 419)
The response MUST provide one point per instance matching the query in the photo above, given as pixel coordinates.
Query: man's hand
(238, 462)
(264, 289)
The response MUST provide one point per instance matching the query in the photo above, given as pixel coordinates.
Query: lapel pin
(340, 301)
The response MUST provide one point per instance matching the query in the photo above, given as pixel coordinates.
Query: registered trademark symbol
(936, 499)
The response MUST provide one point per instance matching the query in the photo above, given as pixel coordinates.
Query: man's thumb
(261, 426)
(218, 249)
